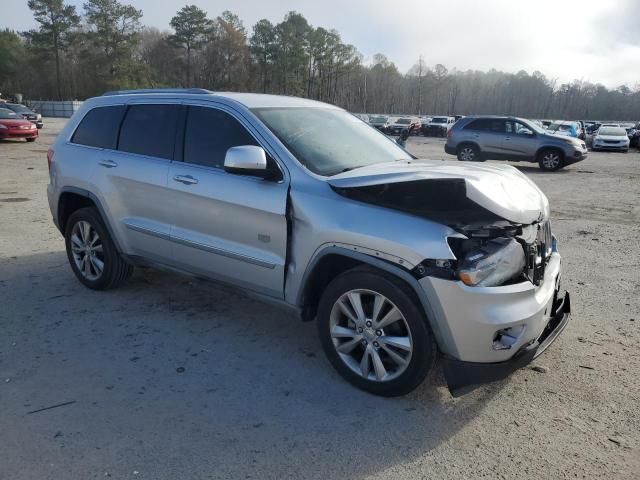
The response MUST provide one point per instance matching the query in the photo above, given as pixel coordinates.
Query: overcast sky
(595, 40)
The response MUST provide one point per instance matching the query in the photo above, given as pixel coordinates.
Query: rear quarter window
(99, 127)
(486, 125)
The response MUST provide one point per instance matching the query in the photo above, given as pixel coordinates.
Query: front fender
(442, 336)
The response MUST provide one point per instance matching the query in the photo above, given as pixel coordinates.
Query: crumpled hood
(501, 189)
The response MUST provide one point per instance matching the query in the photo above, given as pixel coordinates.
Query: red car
(13, 125)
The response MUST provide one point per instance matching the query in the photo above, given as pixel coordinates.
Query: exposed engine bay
(490, 250)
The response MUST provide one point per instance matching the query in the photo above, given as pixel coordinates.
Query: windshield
(560, 127)
(329, 141)
(378, 119)
(8, 114)
(19, 108)
(613, 131)
(403, 121)
(533, 125)
(439, 120)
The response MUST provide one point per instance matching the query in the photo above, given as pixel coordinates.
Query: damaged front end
(496, 301)
(489, 250)
(502, 254)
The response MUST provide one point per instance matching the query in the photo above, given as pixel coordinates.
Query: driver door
(226, 226)
(519, 140)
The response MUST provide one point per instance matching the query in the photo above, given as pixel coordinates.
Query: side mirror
(246, 160)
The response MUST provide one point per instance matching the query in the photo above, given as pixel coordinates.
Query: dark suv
(508, 138)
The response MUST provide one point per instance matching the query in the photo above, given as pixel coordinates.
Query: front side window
(210, 133)
(99, 127)
(149, 130)
(328, 141)
(518, 128)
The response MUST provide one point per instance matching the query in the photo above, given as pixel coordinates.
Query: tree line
(75, 55)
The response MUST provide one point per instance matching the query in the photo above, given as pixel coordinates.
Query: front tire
(374, 333)
(91, 252)
(30, 139)
(550, 160)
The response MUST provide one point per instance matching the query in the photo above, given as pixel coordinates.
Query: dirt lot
(172, 378)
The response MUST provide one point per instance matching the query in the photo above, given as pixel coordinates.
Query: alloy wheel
(467, 154)
(551, 160)
(87, 250)
(371, 335)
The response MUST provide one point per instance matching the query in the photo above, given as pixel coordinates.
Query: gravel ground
(176, 378)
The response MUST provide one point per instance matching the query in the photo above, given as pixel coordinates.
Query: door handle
(507, 138)
(108, 163)
(186, 179)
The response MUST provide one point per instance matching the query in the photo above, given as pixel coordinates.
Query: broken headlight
(492, 263)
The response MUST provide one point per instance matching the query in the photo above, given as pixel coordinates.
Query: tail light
(49, 158)
(449, 133)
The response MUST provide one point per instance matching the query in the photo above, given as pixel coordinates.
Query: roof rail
(158, 90)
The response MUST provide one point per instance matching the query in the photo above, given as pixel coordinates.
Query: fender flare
(536, 156)
(380, 264)
(469, 142)
(86, 193)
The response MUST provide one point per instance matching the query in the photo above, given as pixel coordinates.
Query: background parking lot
(170, 377)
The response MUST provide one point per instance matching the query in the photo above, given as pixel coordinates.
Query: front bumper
(576, 156)
(470, 323)
(462, 377)
(609, 146)
(435, 131)
(14, 133)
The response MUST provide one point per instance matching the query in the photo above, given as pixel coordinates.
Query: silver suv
(398, 260)
(507, 138)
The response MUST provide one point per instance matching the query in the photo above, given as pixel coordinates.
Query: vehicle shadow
(181, 378)
(12, 140)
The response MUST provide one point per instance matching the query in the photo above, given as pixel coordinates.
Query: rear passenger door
(134, 177)
(227, 226)
(488, 133)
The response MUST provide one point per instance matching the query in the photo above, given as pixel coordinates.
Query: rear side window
(208, 135)
(149, 130)
(487, 125)
(99, 127)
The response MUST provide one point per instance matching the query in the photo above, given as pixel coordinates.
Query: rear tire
(550, 160)
(30, 139)
(91, 252)
(356, 319)
(468, 153)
